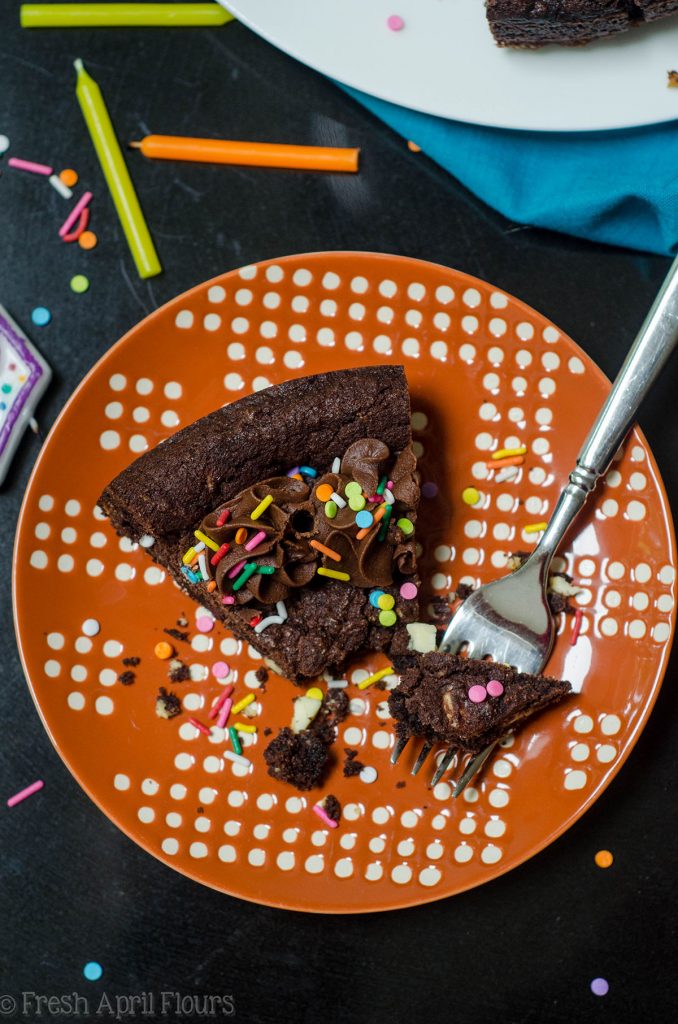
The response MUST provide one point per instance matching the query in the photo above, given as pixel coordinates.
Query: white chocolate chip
(305, 710)
(422, 637)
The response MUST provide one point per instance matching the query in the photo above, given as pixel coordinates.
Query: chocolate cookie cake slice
(532, 23)
(467, 703)
(290, 514)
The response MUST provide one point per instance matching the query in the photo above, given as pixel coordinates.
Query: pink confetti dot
(395, 23)
(220, 669)
(205, 623)
(477, 694)
(495, 688)
(600, 987)
(408, 591)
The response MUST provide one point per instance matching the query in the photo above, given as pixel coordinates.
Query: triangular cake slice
(464, 702)
(290, 514)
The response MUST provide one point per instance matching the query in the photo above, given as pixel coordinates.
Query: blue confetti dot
(41, 316)
(374, 597)
(92, 970)
(364, 519)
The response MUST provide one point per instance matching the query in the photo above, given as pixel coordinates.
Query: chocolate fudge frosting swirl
(297, 516)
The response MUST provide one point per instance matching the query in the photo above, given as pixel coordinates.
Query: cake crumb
(132, 662)
(262, 675)
(268, 731)
(351, 765)
(167, 704)
(126, 678)
(300, 759)
(672, 79)
(332, 807)
(401, 784)
(177, 634)
(178, 672)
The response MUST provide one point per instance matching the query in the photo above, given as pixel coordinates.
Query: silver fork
(509, 620)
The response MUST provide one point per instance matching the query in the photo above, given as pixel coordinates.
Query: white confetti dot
(471, 297)
(94, 567)
(197, 850)
(65, 563)
(491, 381)
(109, 440)
(183, 761)
(401, 874)
(615, 570)
(118, 382)
(146, 815)
(463, 853)
(637, 629)
(575, 779)
(502, 768)
(107, 677)
(642, 572)
(173, 390)
(661, 632)
(42, 531)
(183, 320)
(315, 863)
(233, 382)
(52, 668)
(583, 724)
(491, 854)
(580, 752)
(498, 798)
(410, 347)
(635, 511)
(354, 341)
(609, 627)
(293, 360)
(113, 411)
(124, 572)
(121, 782)
(606, 753)
(112, 649)
(212, 322)
(442, 791)
(439, 350)
(69, 535)
(104, 705)
(469, 324)
(368, 774)
(83, 645)
(575, 365)
(467, 353)
(297, 332)
(75, 701)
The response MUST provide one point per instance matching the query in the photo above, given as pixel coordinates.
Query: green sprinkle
(235, 739)
(353, 489)
(330, 509)
(356, 502)
(384, 523)
(250, 568)
(388, 618)
(79, 284)
(406, 526)
(382, 485)
(265, 570)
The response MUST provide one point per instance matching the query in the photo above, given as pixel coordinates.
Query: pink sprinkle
(228, 599)
(254, 541)
(395, 23)
(220, 669)
(28, 165)
(389, 485)
(223, 697)
(409, 591)
(495, 688)
(237, 568)
(324, 816)
(199, 726)
(23, 793)
(578, 616)
(224, 712)
(205, 623)
(75, 213)
(477, 694)
(223, 517)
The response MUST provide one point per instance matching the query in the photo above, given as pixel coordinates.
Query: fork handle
(652, 347)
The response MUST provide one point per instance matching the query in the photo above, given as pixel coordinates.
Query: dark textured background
(72, 887)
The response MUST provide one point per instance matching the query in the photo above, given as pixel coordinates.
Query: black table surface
(523, 948)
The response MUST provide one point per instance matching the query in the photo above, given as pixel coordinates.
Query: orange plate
(485, 372)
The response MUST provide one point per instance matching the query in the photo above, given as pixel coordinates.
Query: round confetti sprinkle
(470, 496)
(364, 519)
(205, 623)
(4, 144)
(323, 492)
(79, 284)
(385, 602)
(368, 774)
(395, 23)
(356, 502)
(69, 177)
(330, 509)
(413, 147)
(87, 240)
(408, 591)
(604, 859)
(163, 650)
(220, 669)
(495, 688)
(477, 694)
(387, 618)
(375, 596)
(353, 489)
(90, 627)
(429, 489)
(41, 316)
(406, 526)
(92, 971)
(599, 987)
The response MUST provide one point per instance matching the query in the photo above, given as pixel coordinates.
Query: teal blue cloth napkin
(618, 187)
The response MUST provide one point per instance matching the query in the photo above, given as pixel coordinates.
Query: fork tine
(423, 754)
(401, 743)
(443, 766)
(473, 768)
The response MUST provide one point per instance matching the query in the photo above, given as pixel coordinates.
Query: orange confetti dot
(241, 535)
(413, 147)
(69, 177)
(323, 492)
(87, 240)
(163, 650)
(604, 859)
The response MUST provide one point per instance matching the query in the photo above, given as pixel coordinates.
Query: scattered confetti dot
(41, 316)
(90, 627)
(408, 591)
(470, 495)
(87, 240)
(395, 23)
(79, 284)
(429, 489)
(92, 970)
(69, 177)
(599, 987)
(220, 669)
(368, 774)
(604, 859)
(205, 623)
(163, 650)
(4, 144)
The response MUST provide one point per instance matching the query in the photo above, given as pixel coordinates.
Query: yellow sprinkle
(315, 693)
(506, 453)
(242, 703)
(207, 541)
(470, 495)
(375, 677)
(535, 528)
(333, 574)
(241, 727)
(189, 556)
(261, 507)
